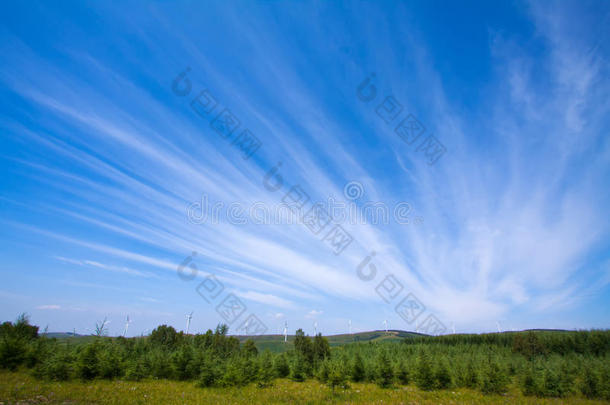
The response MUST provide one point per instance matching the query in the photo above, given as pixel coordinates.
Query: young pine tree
(471, 376)
(402, 372)
(495, 379)
(249, 348)
(298, 372)
(281, 366)
(337, 377)
(385, 374)
(590, 383)
(443, 377)
(323, 371)
(424, 378)
(358, 372)
(87, 365)
(530, 384)
(266, 371)
(209, 373)
(135, 370)
(180, 362)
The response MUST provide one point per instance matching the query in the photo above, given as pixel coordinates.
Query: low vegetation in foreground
(171, 367)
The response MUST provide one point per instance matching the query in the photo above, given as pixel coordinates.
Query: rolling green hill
(275, 343)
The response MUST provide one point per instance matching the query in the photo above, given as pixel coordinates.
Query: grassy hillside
(275, 343)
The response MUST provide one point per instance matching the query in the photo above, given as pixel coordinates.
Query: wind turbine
(385, 323)
(127, 322)
(246, 326)
(498, 326)
(285, 331)
(188, 321)
(453, 327)
(349, 326)
(315, 328)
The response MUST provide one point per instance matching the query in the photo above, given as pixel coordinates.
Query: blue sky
(105, 163)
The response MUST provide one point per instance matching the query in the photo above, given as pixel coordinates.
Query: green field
(24, 389)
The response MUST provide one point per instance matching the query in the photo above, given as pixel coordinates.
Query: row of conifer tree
(544, 364)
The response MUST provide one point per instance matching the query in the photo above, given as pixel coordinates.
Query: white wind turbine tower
(285, 331)
(498, 326)
(349, 326)
(315, 328)
(385, 323)
(188, 321)
(453, 327)
(126, 326)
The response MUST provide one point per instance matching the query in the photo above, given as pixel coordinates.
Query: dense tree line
(543, 364)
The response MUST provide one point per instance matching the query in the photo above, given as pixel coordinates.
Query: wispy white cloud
(49, 307)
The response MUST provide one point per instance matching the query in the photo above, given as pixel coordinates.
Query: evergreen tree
(281, 366)
(424, 377)
(337, 376)
(495, 380)
(298, 371)
(323, 371)
(165, 337)
(321, 348)
(209, 373)
(402, 372)
(303, 346)
(56, 367)
(385, 374)
(443, 377)
(471, 376)
(249, 348)
(87, 362)
(135, 370)
(552, 384)
(12, 352)
(180, 363)
(530, 385)
(266, 373)
(109, 364)
(358, 371)
(590, 383)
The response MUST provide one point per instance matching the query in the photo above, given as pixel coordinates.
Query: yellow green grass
(19, 387)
